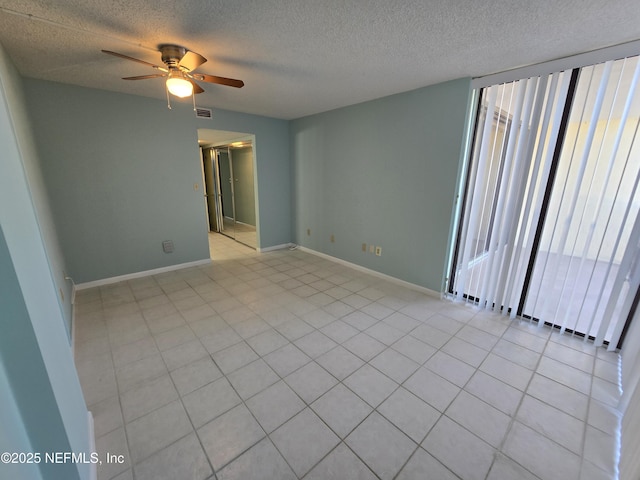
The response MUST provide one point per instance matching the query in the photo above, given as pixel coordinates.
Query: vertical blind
(550, 225)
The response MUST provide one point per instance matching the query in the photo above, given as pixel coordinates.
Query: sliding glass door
(549, 226)
(507, 175)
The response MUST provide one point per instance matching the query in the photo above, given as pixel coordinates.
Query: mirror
(240, 160)
(230, 190)
(225, 180)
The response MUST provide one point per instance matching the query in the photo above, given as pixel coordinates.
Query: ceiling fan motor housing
(172, 54)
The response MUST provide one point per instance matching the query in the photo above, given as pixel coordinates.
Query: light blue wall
(13, 431)
(121, 176)
(121, 171)
(23, 135)
(34, 345)
(13, 434)
(28, 383)
(382, 172)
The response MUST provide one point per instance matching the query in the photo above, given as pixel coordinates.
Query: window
(550, 225)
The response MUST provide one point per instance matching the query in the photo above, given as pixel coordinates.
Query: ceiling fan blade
(126, 57)
(192, 60)
(196, 88)
(219, 80)
(144, 77)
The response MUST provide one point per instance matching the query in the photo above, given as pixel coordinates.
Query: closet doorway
(228, 163)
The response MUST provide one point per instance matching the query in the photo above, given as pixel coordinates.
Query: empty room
(319, 240)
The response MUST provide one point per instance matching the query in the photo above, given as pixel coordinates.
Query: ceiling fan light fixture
(180, 64)
(179, 86)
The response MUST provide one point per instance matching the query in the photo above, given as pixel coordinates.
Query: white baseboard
(72, 334)
(73, 291)
(384, 276)
(130, 276)
(146, 273)
(275, 247)
(73, 331)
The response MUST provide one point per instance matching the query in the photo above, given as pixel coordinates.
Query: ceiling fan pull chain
(193, 97)
(166, 89)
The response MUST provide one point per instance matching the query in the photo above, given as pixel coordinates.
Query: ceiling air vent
(204, 113)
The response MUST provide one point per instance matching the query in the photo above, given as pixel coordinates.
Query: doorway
(228, 167)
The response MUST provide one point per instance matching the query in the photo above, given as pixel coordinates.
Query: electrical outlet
(167, 246)
(364, 247)
(333, 239)
(371, 248)
(378, 251)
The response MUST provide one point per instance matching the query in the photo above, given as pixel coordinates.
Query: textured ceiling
(300, 57)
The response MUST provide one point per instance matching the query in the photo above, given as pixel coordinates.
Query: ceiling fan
(180, 64)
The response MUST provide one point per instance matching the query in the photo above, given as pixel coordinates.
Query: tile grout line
(512, 419)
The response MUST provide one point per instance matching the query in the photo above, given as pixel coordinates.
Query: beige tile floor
(285, 365)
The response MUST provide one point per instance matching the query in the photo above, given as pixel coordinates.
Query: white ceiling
(300, 57)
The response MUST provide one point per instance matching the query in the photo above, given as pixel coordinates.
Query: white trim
(93, 467)
(375, 273)
(275, 247)
(146, 273)
(623, 50)
(73, 331)
(73, 290)
(73, 315)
